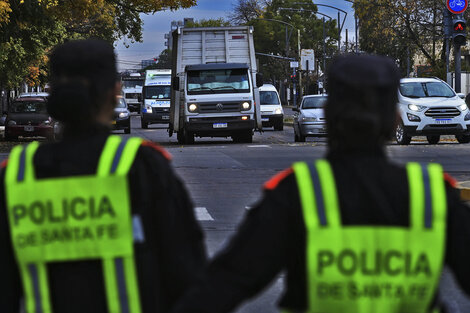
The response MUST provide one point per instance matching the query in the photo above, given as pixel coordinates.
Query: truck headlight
(278, 111)
(148, 109)
(192, 107)
(123, 114)
(416, 108)
(463, 107)
(246, 106)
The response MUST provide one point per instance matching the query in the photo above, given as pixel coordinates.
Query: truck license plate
(164, 117)
(443, 121)
(265, 119)
(219, 125)
(29, 128)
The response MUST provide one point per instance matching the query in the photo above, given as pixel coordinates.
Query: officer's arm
(172, 223)
(253, 257)
(10, 283)
(458, 238)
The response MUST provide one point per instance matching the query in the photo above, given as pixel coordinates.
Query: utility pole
(447, 40)
(300, 72)
(324, 46)
(339, 32)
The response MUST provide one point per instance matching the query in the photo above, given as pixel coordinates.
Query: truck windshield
(218, 81)
(132, 83)
(424, 90)
(157, 92)
(268, 97)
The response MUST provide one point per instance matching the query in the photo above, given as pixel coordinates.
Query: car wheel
(463, 138)
(433, 139)
(401, 136)
(127, 130)
(145, 125)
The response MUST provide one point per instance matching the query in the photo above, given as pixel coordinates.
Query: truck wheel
(145, 125)
(279, 126)
(184, 137)
(433, 139)
(463, 138)
(401, 136)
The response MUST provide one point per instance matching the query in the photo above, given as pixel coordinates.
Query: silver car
(310, 120)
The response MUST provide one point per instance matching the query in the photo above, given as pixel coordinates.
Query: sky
(157, 25)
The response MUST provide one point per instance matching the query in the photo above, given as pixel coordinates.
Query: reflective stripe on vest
(354, 268)
(71, 219)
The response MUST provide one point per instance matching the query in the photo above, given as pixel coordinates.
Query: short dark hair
(361, 109)
(82, 73)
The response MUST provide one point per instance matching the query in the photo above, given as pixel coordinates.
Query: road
(225, 179)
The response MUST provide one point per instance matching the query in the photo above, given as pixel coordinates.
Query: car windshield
(425, 90)
(218, 81)
(121, 103)
(132, 83)
(268, 97)
(313, 102)
(157, 92)
(28, 107)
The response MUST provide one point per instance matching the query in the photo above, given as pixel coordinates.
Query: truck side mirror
(175, 83)
(259, 80)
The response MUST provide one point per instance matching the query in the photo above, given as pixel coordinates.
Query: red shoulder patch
(450, 180)
(4, 163)
(276, 179)
(158, 148)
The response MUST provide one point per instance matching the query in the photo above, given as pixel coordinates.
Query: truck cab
(156, 95)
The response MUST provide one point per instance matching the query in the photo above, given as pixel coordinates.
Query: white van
(272, 113)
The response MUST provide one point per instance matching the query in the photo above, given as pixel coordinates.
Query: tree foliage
(402, 28)
(30, 28)
(218, 22)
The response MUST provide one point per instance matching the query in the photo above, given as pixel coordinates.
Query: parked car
(28, 117)
(430, 107)
(122, 116)
(272, 113)
(310, 120)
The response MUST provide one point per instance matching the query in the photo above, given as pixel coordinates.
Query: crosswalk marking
(202, 214)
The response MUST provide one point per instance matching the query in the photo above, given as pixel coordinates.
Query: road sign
(294, 64)
(457, 6)
(307, 60)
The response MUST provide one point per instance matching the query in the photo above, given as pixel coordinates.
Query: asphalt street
(225, 180)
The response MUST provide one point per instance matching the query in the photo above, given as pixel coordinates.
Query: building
(175, 25)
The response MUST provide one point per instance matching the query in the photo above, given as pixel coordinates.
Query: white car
(272, 113)
(310, 120)
(429, 107)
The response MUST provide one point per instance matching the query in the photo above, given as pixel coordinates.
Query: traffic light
(293, 77)
(459, 31)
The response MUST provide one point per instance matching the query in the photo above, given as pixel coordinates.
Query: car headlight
(463, 107)
(11, 123)
(308, 119)
(192, 107)
(278, 111)
(123, 114)
(246, 106)
(416, 108)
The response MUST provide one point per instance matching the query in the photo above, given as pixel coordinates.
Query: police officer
(354, 232)
(95, 222)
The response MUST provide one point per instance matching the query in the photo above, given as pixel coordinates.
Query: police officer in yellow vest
(95, 222)
(353, 232)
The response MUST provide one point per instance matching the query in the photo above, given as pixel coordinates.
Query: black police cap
(364, 70)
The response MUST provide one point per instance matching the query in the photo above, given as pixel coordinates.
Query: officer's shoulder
(151, 148)
(277, 179)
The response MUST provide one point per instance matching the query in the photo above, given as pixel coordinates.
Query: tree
(246, 10)
(30, 28)
(402, 28)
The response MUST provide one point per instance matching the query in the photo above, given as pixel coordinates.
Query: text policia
(65, 221)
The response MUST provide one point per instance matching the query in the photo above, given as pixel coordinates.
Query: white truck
(132, 90)
(156, 94)
(214, 84)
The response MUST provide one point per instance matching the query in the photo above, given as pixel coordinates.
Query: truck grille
(219, 107)
(442, 112)
(161, 110)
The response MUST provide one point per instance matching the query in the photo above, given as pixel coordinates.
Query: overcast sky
(155, 27)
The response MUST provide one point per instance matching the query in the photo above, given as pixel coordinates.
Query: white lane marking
(202, 214)
(259, 146)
